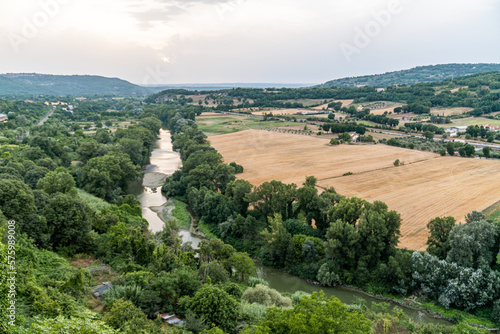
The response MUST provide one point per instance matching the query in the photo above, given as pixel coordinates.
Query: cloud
(148, 18)
(245, 40)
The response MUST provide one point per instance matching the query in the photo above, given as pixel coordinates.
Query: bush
(252, 312)
(326, 276)
(233, 289)
(334, 141)
(253, 281)
(297, 295)
(264, 295)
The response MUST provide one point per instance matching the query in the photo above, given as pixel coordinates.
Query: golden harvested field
(321, 107)
(292, 111)
(427, 185)
(345, 103)
(212, 114)
(383, 110)
(450, 111)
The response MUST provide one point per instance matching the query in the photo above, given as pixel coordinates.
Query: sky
(243, 41)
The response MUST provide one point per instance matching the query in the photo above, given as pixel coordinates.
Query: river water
(287, 283)
(165, 161)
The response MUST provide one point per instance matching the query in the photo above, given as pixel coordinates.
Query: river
(165, 161)
(287, 283)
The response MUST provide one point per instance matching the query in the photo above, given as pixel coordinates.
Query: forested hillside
(414, 75)
(37, 84)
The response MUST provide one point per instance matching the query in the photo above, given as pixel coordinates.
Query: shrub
(233, 289)
(253, 281)
(264, 295)
(297, 295)
(252, 312)
(326, 276)
(334, 141)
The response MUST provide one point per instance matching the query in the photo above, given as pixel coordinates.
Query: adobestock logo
(222, 8)
(363, 37)
(31, 26)
(155, 76)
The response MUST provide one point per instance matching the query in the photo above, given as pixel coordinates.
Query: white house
(454, 130)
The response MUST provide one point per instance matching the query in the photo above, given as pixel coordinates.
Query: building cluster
(454, 130)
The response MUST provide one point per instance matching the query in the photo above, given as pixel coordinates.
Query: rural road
(47, 116)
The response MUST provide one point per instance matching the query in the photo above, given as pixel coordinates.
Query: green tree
(474, 216)
(308, 200)
(327, 276)
(429, 135)
(334, 141)
(83, 323)
(278, 248)
(18, 203)
(133, 148)
(216, 306)
(215, 250)
(450, 148)
(438, 240)
(211, 158)
(487, 151)
(474, 245)
(313, 315)
(243, 265)
(264, 295)
(128, 318)
(344, 137)
(106, 175)
(102, 136)
(57, 181)
(16, 200)
(153, 124)
(236, 191)
(273, 197)
(363, 234)
(87, 150)
(469, 150)
(68, 222)
(34, 175)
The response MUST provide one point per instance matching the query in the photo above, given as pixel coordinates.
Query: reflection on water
(288, 283)
(189, 237)
(166, 161)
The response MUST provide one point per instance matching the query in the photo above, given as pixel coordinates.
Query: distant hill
(222, 86)
(45, 84)
(414, 75)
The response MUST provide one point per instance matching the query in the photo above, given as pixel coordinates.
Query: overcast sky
(268, 41)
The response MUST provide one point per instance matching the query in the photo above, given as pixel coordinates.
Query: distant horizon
(249, 82)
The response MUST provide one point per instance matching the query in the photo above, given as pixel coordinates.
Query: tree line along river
(165, 161)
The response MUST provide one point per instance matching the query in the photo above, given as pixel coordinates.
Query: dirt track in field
(426, 186)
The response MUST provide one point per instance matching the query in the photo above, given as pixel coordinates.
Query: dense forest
(85, 85)
(414, 75)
